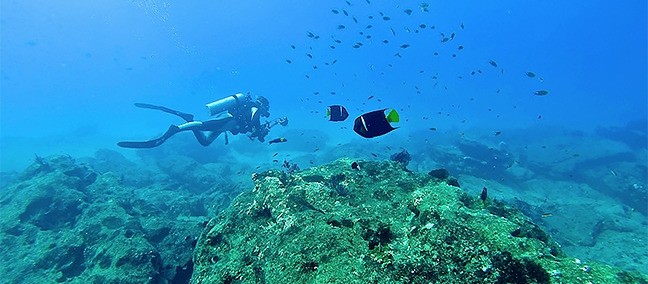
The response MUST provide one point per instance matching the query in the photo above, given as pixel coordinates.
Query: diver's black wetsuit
(244, 118)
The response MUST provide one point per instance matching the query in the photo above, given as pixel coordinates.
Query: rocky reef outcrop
(379, 223)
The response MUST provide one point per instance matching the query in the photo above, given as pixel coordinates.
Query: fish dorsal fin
(392, 116)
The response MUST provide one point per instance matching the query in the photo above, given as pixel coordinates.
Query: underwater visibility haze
(362, 140)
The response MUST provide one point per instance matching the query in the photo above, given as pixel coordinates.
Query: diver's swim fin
(151, 143)
(186, 116)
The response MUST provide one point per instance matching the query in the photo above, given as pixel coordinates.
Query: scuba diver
(238, 113)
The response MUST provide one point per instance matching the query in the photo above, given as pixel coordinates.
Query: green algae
(379, 224)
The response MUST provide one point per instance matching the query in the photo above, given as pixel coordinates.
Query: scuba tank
(225, 104)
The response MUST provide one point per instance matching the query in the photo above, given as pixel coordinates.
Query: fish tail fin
(392, 116)
(328, 111)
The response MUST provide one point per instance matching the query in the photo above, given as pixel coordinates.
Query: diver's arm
(283, 121)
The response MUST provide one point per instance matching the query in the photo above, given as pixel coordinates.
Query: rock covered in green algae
(379, 224)
(64, 222)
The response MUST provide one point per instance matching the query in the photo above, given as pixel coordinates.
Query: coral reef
(104, 221)
(388, 226)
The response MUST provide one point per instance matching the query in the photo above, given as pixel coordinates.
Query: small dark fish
(433, 128)
(373, 154)
(424, 7)
(484, 194)
(278, 140)
(547, 214)
(345, 12)
(375, 123)
(288, 61)
(310, 34)
(340, 27)
(445, 39)
(292, 46)
(541, 93)
(337, 113)
(408, 12)
(355, 20)
(385, 41)
(422, 26)
(335, 11)
(368, 26)
(393, 31)
(356, 46)
(460, 47)
(452, 36)
(275, 154)
(338, 41)
(530, 74)
(492, 63)
(405, 46)
(462, 26)
(355, 166)
(309, 55)
(498, 133)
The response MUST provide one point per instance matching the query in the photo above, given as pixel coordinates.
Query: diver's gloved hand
(283, 121)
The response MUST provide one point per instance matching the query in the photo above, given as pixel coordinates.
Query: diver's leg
(215, 128)
(173, 129)
(186, 116)
(206, 140)
(151, 143)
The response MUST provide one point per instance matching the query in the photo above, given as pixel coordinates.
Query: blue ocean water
(72, 70)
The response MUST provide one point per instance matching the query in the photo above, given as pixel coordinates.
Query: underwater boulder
(394, 226)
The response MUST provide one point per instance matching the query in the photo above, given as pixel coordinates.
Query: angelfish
(375, 123)
(337, 113)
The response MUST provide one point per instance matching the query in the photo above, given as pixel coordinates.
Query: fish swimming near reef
(278, 140)
(375, 123)
(337, 113)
